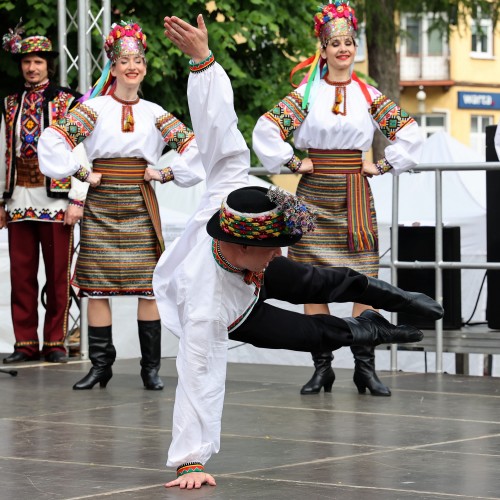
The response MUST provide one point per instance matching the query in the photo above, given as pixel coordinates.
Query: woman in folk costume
(121, 238)
(333, 116)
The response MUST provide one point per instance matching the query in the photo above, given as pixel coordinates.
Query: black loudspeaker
(492, 232)
(417, 243)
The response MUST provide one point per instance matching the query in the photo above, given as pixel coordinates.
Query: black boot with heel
(323, 375)
(102, 354)
(365, 376)
(150, 340)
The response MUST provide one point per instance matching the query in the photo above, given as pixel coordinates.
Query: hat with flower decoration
(14, 43)
(257, 216)
(334, 19)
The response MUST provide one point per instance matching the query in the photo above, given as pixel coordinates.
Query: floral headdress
(334, 19)
(124, 39)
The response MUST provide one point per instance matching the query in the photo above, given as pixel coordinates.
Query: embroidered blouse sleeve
(272, 131)
(185, 167)
(57, 142)
(402, 131)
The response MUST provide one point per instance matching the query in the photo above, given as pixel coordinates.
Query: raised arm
(224, 152)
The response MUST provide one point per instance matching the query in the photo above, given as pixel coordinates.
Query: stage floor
(437, 437)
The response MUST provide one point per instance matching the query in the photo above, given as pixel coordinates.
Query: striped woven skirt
(120, 240)
(346, 234)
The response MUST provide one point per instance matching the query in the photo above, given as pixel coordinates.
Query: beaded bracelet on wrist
(82, 174)
(190, 467)
(77, 203)
(197, 67)
(383, 166)
(294, 163)
(166, 175)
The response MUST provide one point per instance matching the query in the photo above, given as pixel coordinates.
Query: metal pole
(394, 257)
(439, 271)
(106, 26)
(84, 328)
(62, 40)
(83, 74)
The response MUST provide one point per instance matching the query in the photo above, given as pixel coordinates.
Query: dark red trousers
(56, 241)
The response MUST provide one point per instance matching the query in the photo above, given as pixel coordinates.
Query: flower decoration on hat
(125, 38)
(11, 41)
(335, 19)
(299, 218)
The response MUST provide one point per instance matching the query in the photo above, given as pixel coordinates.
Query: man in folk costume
(212, 284)
(37, 210)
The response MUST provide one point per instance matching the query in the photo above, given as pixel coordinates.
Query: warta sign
(478, 100)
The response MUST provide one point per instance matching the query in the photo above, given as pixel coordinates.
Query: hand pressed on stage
(193, 480)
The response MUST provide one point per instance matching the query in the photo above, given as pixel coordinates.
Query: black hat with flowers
(257, 216)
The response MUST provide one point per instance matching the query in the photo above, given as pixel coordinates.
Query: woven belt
(131, 171)
(361, 235)
(28, 173)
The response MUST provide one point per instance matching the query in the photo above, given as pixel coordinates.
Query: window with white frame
(422, 37)
(431, 123)
(478, 124)
(482, 36)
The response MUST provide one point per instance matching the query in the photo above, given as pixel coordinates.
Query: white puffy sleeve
(400, 129)
(199, 398)
(272, 131)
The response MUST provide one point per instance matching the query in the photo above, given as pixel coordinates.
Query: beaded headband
(125, 39)
(335, 19)
(290, 217)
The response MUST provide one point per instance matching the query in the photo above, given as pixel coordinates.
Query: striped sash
(131, 171)
(361, 234)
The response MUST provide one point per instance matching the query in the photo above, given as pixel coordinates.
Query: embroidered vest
(57, 101)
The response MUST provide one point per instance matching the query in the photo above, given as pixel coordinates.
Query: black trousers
(275, 328)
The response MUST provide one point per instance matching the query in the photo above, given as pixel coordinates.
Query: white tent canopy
(464, 205)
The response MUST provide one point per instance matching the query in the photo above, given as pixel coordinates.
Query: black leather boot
(370, 329)
(323, 375)
(102, 353)
(382, 295)
(150, 340)
(364, 372)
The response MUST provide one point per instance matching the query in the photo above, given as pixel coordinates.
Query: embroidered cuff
(197, 67)
(190, 467)
(76, 203)
(166, 175)
(383, 166)
(294, 163)
(82, 174)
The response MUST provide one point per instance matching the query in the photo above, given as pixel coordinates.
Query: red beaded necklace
(340, 95)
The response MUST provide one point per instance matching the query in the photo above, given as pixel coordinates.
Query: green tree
(258, 44)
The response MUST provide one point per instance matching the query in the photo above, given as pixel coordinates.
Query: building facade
(449, 84)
